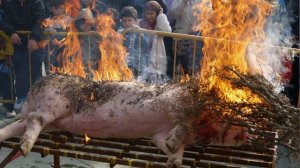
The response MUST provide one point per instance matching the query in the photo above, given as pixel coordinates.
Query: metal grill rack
(141, 152)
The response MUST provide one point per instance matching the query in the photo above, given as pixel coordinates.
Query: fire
(185, 78)
(86, 139)
(231, 26)
(72, 7)
(71, 57)
(111, 65)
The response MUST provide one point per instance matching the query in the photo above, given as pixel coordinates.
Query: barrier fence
(175, 39)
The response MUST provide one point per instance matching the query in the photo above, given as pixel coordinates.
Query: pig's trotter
(35, 124)
(175, 160)
(25, 145)
(16, 128)
(160, 142)
(172, 143)
(176, 136)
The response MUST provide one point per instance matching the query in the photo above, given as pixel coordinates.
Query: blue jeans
(6, 88)
(21, 67)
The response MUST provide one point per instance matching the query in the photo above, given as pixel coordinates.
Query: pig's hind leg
(177, 135)
(159, 141)
(36, 122)
(16, 128)
(175, 159)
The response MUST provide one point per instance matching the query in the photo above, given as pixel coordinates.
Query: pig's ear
(206, 132)
(243, 138)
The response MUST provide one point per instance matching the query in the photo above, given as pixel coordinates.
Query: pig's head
(219, 133)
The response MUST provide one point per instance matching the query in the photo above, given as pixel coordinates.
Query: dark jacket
(26, 17)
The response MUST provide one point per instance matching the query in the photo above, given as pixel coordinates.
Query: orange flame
(112, 65)
(73, 7)
(232, 25)
(71, 57)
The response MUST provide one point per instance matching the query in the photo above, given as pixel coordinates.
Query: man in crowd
(25, 15)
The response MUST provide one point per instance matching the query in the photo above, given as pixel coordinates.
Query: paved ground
(34, 160)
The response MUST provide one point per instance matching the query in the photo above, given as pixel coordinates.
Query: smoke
(269, 56)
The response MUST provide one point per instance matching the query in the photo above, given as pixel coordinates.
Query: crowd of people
(149, 57)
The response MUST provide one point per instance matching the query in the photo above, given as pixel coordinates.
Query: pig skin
(110, 110)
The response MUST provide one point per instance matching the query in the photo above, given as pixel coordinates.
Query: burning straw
(273, 114)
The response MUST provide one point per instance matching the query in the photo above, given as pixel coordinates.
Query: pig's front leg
(175, 160)
(36, 122)
(177, 135)
(16, 128)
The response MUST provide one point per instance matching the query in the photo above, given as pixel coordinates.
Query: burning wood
(273, 113)
(243, 97)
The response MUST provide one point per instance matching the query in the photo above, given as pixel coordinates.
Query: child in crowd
(154, 19)
(115, 14)
(139, 5)
(59, 22)
(135, 43)
(96, 6)
(85, 22)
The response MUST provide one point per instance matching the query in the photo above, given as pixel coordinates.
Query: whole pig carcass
(118, 110)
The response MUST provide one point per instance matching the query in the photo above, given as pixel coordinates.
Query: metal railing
(47, 36)
(178, 36)
(175, 36)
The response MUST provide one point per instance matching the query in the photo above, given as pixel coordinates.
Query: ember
(86, 139)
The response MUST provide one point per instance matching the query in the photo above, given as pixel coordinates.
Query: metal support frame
(56, 159)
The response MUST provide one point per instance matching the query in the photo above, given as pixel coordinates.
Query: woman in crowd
(154, 19)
